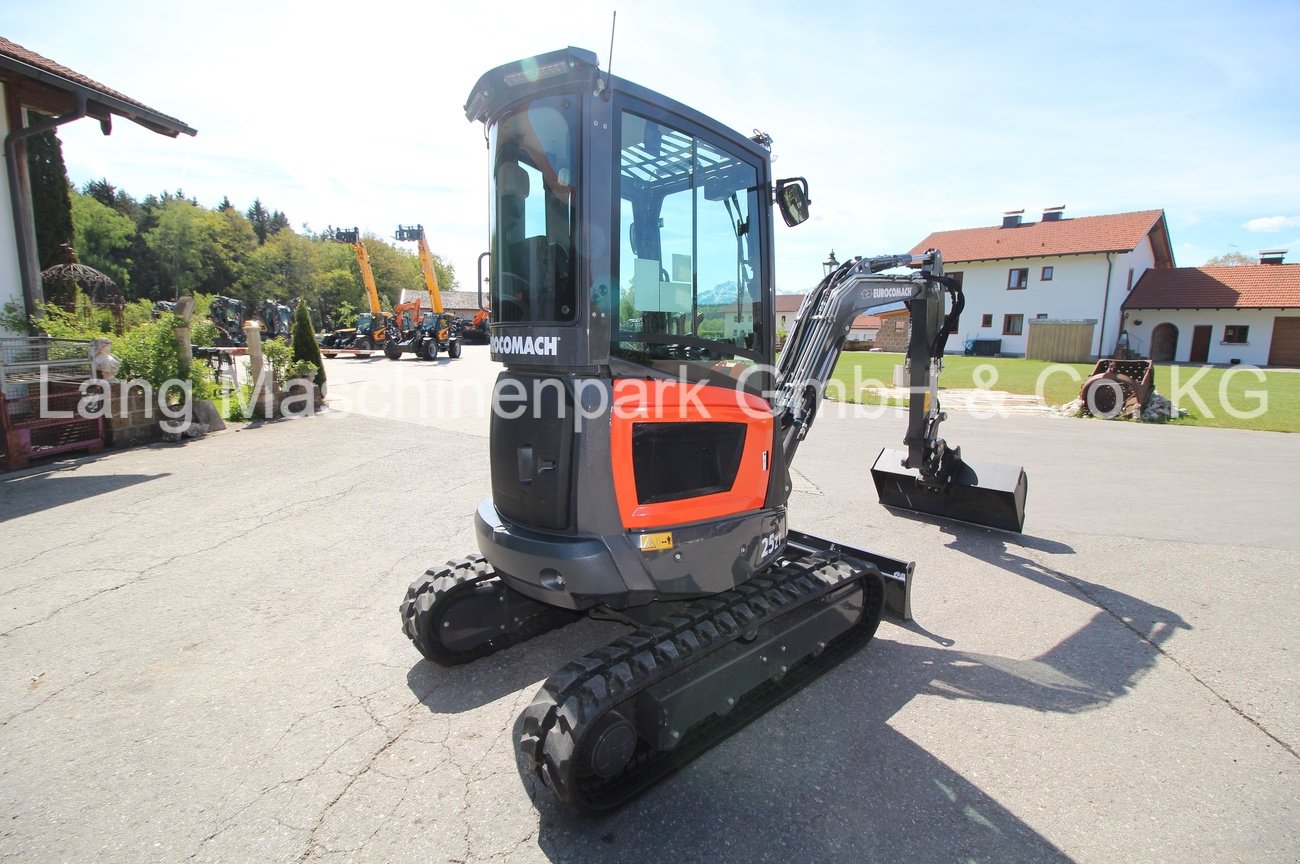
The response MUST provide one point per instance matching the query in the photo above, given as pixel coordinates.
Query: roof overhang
(947, 261)
(56, 93)
(1209, 308)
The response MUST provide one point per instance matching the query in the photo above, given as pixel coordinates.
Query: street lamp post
(830, 265)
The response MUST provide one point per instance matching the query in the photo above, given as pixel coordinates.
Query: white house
(1245, 314)
(787, 306)
(1057, 269)
(37, 94)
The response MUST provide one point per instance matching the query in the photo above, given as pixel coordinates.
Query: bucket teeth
(981, 493)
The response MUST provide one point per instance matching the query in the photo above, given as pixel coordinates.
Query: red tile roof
(789, 302)
(1119, 232)
(1252, 286)
(151, 117)
(866, 322)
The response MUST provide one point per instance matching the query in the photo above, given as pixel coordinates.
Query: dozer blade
(981, 493)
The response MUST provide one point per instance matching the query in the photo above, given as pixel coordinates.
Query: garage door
(1285, 350)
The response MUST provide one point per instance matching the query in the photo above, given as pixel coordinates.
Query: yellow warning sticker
(656, 542)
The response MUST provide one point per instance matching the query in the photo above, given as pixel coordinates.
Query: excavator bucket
(981, 493)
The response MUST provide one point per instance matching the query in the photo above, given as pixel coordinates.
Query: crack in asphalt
(1159, 649)
(262, 521)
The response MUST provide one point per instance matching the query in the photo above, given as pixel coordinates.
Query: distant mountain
(719, 295)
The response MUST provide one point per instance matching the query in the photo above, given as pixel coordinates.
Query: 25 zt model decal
(770, 543)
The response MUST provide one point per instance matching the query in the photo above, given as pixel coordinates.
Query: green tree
(51, 203)
(278, 222)
(182, 242)
(103, 238)
(305, 346)
(236, 244)
(1230, 259)
(260, 218)
(101, 190)
(335, 282)
(280, 268)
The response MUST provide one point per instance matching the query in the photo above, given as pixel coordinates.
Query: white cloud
(1271, 224)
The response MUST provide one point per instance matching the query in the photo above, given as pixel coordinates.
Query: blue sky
(905, 118)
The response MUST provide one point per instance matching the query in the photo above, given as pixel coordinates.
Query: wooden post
(184, 308)
(262, 388)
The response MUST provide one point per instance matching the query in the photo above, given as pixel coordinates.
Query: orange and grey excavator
(410, 332)
(643, 431)
(370, 328)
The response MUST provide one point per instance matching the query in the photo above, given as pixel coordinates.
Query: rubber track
(572, 699)
(428, 598)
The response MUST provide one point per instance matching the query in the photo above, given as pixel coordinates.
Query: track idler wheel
(464, 611)
(610, 745)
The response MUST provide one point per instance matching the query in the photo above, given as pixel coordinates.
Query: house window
(1047, 274)
(1013, 325)
(986, 320)
(1041, 316)
(957, 275)
(1018, 279)
(1130, 280)
(1235, 334)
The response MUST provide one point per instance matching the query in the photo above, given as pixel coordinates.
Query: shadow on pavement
(452, 690)
(32, 493)
(825, 778)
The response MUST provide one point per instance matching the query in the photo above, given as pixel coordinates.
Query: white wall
(11, 285)
(1254, 352)
(1077, 291)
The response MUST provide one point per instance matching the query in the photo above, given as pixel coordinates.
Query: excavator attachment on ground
(643, 431)
(982, 493)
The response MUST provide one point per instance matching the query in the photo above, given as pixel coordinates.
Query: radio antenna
(609, 63)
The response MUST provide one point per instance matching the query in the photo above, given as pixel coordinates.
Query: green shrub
(150, 352)
(202, 330)
(305, 347)
(278, 357)
(86, 322)
(303, 369)
(231, 404)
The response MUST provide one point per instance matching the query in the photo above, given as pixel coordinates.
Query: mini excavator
(642, 435)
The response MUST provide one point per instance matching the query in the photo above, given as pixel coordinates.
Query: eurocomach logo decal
(547, 346)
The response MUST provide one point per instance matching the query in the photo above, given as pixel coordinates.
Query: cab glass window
(689, 282)
(534, 212)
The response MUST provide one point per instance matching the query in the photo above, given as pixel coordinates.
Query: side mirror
(792, 199)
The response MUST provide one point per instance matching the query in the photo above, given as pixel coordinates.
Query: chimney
(1054, 214)
(1272, 256)
(1011, 218)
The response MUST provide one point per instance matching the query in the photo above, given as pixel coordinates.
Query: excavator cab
(679, 281)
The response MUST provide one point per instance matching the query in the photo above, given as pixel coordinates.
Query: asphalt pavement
(200, 656)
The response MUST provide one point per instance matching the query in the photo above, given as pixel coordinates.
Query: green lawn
(1243, 393)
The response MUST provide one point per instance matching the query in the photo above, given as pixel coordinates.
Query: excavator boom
(929, 476)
